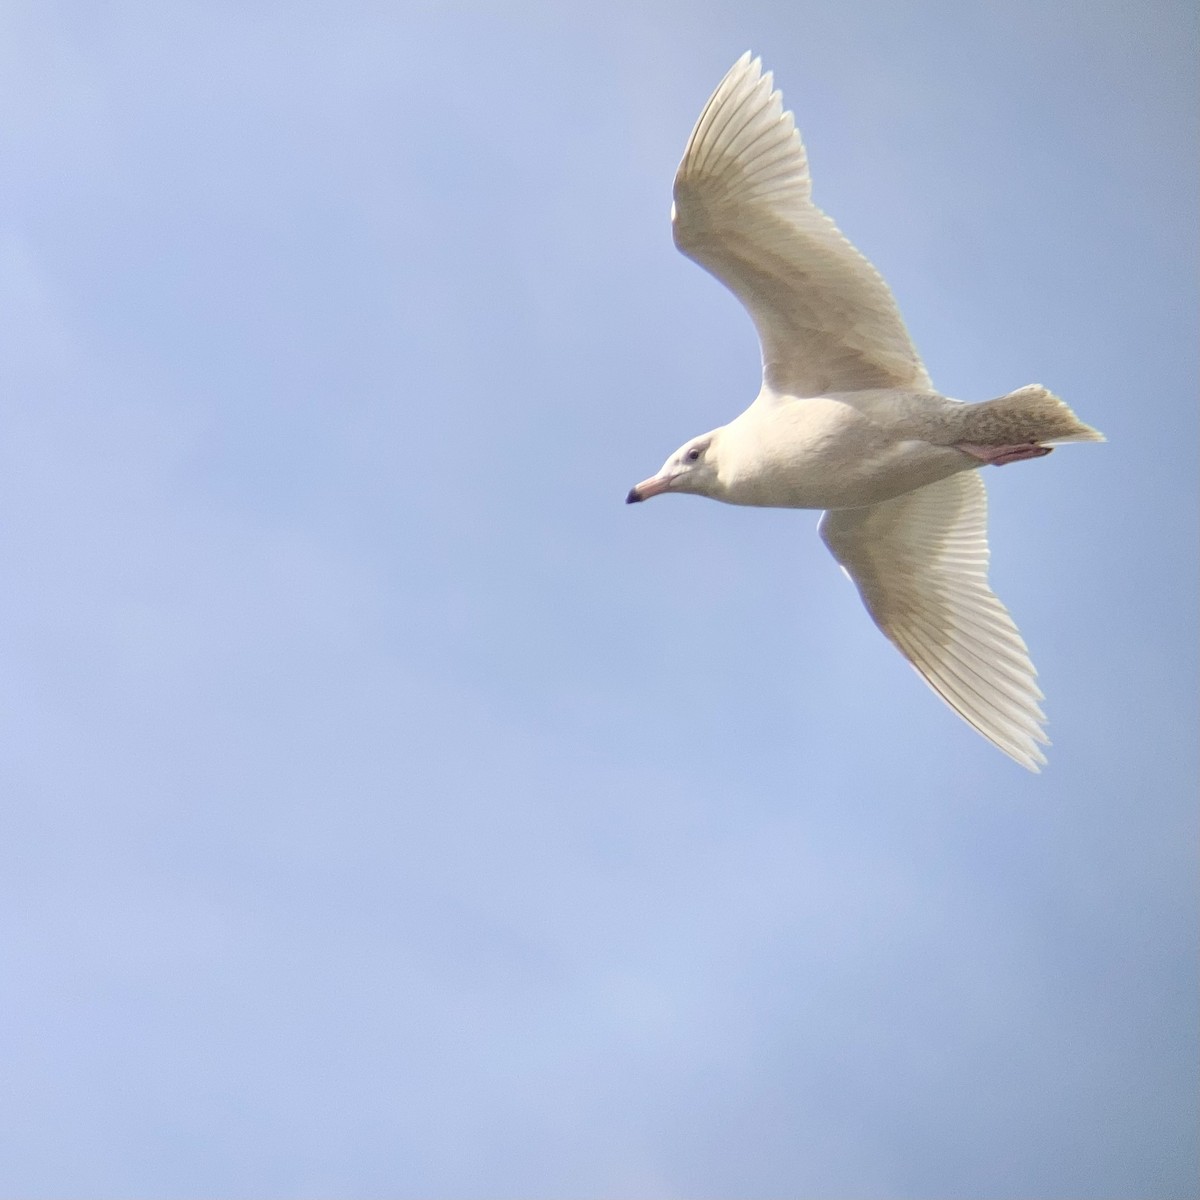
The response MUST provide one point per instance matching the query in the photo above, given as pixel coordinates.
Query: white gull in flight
(848, 420)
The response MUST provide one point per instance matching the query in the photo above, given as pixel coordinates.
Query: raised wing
(826, 319)
(920, 565)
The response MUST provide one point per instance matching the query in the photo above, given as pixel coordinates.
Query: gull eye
(693, 455)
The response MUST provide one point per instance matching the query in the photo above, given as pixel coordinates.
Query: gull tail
(1030, 416)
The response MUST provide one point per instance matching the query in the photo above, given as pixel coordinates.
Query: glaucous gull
(847, 419)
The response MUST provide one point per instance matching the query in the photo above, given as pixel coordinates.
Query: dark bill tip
(634, 496)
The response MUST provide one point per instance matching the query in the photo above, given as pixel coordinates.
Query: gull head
(692, 468)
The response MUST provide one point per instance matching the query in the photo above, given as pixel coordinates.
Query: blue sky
(390, 810)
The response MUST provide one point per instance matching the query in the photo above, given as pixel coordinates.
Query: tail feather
(1029, 416)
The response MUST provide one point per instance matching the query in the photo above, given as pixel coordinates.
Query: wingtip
(748, 64)
(1030, 754)
(1035, 762)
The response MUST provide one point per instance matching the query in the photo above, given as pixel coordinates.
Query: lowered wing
(920, 565)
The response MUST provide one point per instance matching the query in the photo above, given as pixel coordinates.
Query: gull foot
(998, 456)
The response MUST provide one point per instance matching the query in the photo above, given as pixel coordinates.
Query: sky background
(388, 810)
